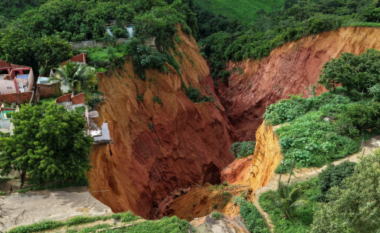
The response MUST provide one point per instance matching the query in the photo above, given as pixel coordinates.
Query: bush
(216, 215)
(80, 220)
(243, 149)
(196, 96)
(252, 218)
(335, 175)
(119, 32)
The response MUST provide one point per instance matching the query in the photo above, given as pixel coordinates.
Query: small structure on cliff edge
(77, 103)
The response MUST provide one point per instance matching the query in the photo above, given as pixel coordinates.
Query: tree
(77, 76)
(48, 144)
(288, 198)
(353, 72)
(45, 52)
(355, 206)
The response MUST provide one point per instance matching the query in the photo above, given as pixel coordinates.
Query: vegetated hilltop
(244, 11)
(163, 140)
(289, 69)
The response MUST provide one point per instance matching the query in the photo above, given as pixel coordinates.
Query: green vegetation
(48, 225)
(252, 217)
(157, 100)
(36, 227)
(48, 144)
(334, 175)
(217, 215)
(244, 11)
(331, 126)
(273, 24)
(302, 216)
(196, 95)
(243, 149)
(2, 193)
(288, 199)
(354, 206)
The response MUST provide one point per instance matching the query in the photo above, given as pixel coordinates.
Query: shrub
(157, 100)
(243, 149)
(252, 217)
(216, 215)
(80, 220)
(196, 96)
(24, 190)
(2, 193)
(335, 175)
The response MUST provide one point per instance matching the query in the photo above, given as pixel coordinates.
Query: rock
(229, 224)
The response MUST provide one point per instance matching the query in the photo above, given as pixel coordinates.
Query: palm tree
(288, 198)
(77, 76)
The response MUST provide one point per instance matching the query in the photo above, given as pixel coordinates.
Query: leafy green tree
(355, 207)
(49, 144)
(45, 52)
(353, 72)
(77, 76)
(288, 198)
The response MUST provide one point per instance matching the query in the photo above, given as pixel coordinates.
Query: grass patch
(164, 225)
(35, 227)
(252, 218)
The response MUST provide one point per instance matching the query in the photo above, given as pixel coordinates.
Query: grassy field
(242, 10)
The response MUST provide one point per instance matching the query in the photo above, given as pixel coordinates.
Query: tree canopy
(355, 206)
(49, 143)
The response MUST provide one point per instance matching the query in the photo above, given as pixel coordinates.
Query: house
(6, 126)
(75, 102)
(48, 88)
(16, 83)
(15, 78)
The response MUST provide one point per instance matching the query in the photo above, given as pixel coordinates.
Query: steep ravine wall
(288, 70)
(257, 169)
(158, 148)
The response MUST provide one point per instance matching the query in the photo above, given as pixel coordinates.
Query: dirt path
(306, 174)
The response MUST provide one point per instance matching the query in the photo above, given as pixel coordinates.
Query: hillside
(245, 11)
(289, 69)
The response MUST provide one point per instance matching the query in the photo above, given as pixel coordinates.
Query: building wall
(49, 90)
(7, 86)
(19, 98)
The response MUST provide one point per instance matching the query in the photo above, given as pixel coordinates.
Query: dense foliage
(355, 206)
(303, 216)
(275, 26)
(252, 218)
(334, 175)
(243, 149)
(48, 143)
(355, 73)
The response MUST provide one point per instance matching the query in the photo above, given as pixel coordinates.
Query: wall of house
(7, 86)
(19, 98)
(49, 90)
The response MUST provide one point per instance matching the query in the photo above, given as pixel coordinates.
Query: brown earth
(158, 148)
(288, 70)
(257, 169)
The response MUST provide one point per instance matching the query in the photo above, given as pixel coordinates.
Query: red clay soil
(157, 147)
(288, 70)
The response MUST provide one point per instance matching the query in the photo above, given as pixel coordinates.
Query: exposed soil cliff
(159, 147)
(288, 70)
(256, 170)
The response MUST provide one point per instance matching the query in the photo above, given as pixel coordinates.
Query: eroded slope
(158, 147)
(288, 70)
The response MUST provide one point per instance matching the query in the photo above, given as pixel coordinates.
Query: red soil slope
(159, 147)
(288, 70)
